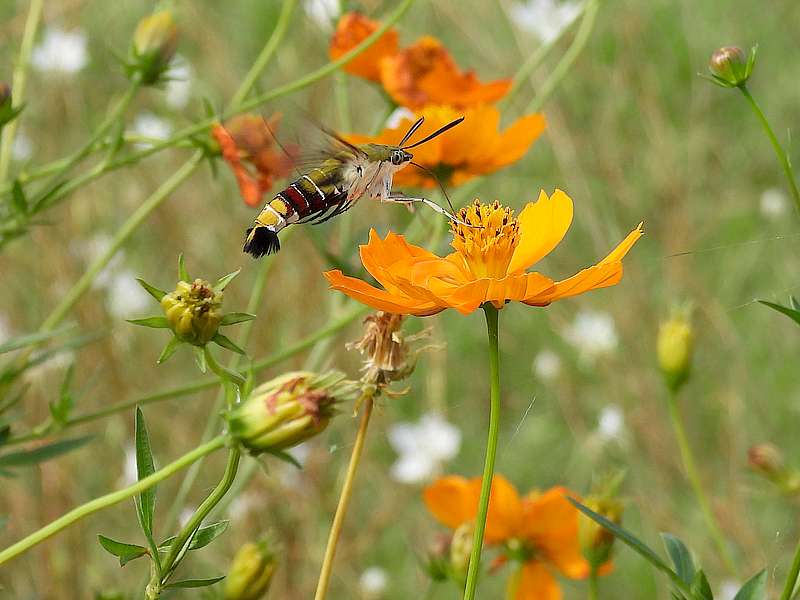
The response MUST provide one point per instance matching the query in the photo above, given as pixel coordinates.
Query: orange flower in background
(475, 147)
(248, 146)
(354, 28)
(541, 528)
(425, 73)
(490, 262)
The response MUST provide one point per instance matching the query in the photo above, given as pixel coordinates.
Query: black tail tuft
(260, 241)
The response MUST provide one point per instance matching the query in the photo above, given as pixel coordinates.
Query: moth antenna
(412, 130)
(438, 132)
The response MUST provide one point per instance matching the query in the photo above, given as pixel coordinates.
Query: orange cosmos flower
(540, 529)
(354, 28)
(249, 148)
(425, 73)
(489, 264)
(475, 147)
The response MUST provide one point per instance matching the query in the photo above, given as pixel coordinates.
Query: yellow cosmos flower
(489, 264)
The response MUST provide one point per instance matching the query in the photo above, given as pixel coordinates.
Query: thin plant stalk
(593, 584)
(791, 580)
(783, 156)
(344, 501)
(19, 82)
(690, 466)
(570, 56)
(111, 499)
(491, 452)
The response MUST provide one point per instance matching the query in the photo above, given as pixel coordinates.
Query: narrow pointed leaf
(795, 304)
(18, 200)
(754, 589)
(195, 583)
(681, 557)
(204, 536)
(633, 543)
(151, 289)
(61, 409)
(145, 507)
(236, 317)
(125, 552)
(169, 350)
(224, 281)
(24, 458)
(183, 275)
(793, 314)
(286, 457)
(701, 590)
(199, 358)
(227, 343)
(155, 322)
(31, 339)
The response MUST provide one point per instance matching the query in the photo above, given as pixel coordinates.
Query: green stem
(177, 547)
(791, 580)
(344, 502)
(593, 584)
(19, 82)
(491, 451)
(570, 56)
(102, 502)
(783, 157)
(689, 465)
(265, 55)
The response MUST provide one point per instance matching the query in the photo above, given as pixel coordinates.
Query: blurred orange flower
(248, 146)
(489, 263)
(425, 73)
(542, 529)
(354, 28)
(475, 147)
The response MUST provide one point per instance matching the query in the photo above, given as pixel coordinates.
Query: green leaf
(681, 557)
(793, 314)
(754, 589)
(31, 339)
(236, 317)
(199, 358)
(701, 590)
(795, 304)
(25, 458)
(227, 343)
(203, 537)
(144, 467)
(183, 274)
(18, 200)
(152, 290)
(168, 350)
(633, 543)
(195, 583)
(155, 322)
(125, 552)
(60, 410)
(224, 281)
(285, 456)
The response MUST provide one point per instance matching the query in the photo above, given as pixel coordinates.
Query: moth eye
(358, 170)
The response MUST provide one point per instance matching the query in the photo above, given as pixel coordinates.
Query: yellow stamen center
(487, 241)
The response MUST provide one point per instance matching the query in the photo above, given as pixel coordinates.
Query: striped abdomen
(314, 197)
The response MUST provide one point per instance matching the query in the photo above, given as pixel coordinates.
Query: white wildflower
(178, 87)
(592, 333)
(373, 583)
(611, 423)
(547, 365)
(422, 447)
(773, 203)
(545, 19)
(125, 297)
(22, 148)
(151, 127)
(61, 51)
(322, 12)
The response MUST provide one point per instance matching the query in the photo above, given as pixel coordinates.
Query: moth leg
(409, 201)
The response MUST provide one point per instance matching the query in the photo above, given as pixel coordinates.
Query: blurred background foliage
(633, 134)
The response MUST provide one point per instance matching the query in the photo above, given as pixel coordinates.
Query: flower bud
(154, 43)
(730, 66)
(460, 550)
(437, 565)
(288, 410)
(251, 572)
(675, 348)
(596, 541)
(7, 110)
(5, 95)
(767, 460)
(193, 311)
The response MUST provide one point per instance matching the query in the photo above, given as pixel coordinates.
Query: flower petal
(533, 582)
(250, 188)
(451, 500)
(379, 254)
(515, 141)
(354, 28)
(377, 298)
(505, 509)
(543, 225)
(550, 523)
(624, 246)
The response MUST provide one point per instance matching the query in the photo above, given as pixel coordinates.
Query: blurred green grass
(633, 135)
